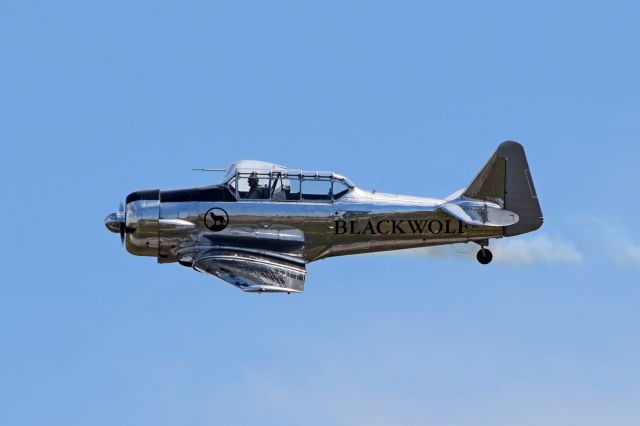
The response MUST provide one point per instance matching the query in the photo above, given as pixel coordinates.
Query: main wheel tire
(484, 256)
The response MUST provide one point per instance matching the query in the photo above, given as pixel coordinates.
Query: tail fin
(506, 180)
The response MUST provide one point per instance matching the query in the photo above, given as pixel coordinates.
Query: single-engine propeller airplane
(260, 227)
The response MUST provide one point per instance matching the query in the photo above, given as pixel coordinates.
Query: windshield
(287, 187)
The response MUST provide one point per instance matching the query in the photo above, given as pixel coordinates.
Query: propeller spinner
(116, 222)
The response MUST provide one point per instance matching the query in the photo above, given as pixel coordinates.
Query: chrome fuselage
(175, 225)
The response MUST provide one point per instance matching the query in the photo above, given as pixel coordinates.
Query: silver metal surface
(142, 237)
(253, 272)
(264, 222)
(114, 221)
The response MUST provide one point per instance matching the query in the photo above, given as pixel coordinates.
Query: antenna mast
(381, 180)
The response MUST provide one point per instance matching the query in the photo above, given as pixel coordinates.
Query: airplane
(263, 223)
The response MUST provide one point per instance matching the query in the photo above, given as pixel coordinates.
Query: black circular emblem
(216, 219)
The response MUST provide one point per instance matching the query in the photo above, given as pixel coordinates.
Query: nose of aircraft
(138, 223)
(116, 222)
(113, 221)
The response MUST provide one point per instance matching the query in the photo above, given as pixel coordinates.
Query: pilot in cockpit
(254, 189)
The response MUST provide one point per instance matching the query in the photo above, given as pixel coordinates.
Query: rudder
(506, 180)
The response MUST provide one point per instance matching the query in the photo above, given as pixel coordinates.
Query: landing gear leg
(484, 255)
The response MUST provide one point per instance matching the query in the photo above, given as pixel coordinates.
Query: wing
(253, 272)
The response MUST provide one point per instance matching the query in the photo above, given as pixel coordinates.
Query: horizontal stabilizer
(479, 213)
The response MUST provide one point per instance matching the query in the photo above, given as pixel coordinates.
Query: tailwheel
(484, 256)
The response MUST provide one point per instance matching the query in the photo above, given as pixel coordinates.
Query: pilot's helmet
(253, 180)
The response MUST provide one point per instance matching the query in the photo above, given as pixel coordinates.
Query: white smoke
(624, 251)
(632, 253)
(539, 248)
(520, 251)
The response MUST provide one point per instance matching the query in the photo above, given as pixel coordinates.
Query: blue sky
(98, 100)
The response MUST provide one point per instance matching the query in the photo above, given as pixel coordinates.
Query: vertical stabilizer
(506, 180)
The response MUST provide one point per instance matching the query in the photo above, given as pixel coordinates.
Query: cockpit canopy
(255, 180)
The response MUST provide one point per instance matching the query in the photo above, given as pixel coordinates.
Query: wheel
(484, 256)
